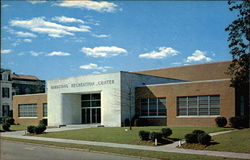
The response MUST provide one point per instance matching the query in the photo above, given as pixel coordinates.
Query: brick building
(192, 95)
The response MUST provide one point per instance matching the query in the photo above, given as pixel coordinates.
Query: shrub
(144, 135)
(198, 132)
(234, 122)
(31, 129)
(9, 120)
(6, 126)
(221, 121)
(155, 135)
(191, 138)
(40, 129)
(166, 132)
(44, 121)
(140, 122)
(127, 122)
(243, 121)
(204, 139)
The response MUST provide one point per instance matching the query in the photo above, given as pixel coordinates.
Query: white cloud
(93, 66)
(40, 25)
(101, 35)
(27, 40)
(198, 56)
(58, 54)
(103, 51)
(36, 1)
(162, 53)
(5, 5)
(35, 54)
(25, 34)
(64, 19)
(89, 5)
(6, 51)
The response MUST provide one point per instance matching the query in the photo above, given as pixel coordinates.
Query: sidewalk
(167, 148)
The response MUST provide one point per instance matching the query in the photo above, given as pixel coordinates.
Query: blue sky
(65, 38)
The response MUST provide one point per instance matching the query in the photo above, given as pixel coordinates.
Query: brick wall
(172, 91)
(38, 99)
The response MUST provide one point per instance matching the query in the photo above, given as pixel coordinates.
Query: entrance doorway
(91, 108)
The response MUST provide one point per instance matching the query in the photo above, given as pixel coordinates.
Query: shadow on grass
(160, 142)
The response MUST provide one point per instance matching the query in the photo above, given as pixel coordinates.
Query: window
(5, 110)
(6, 92)
(27, 110)
(45, 111)
(198, 105)
(153, 107)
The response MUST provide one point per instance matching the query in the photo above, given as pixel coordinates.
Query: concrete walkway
(166, 148)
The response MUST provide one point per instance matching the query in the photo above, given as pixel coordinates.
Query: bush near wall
(141, 122)
(221, 121)
(239, 122)
(9, 120)
(6, 126)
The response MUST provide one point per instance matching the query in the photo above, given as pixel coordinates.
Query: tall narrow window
(5, 110)
(5, 92)
(45, 110)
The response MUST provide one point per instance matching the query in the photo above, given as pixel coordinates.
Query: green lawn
(15, 127)
(238, 141)
(119, 135)
(130, 152)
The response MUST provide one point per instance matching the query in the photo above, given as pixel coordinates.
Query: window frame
(28, 111)
(147, 100)
(199, 103)
(46, 110)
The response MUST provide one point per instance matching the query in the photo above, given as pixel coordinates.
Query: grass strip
(122, 151)
(238, 141)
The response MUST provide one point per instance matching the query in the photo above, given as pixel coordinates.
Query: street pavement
(23, 151)
(166, 148)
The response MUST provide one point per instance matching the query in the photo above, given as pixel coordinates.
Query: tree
(239, 38)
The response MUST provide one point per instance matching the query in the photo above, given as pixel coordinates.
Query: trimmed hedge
(221, 121)
(198, 132)
(141, 122)
(36, 129)
(44, 121)
(6, 126)
(198, 136)
(166, 132)
(155, 135)
(204, 139)
(238, 122)
(31, 129)
(144, 135)
(40, 129)
(191, 138)
(9, 120)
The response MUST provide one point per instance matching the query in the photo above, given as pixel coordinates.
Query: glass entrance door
(91, 108)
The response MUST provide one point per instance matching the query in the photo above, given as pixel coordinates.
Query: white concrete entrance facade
(116, 91)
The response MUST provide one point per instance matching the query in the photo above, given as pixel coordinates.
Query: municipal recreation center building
(192, 95)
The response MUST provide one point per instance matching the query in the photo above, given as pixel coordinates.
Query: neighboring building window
(152, 107)
(45, 111)
(5, 110)
(198, 105)
(5, 92)
(27, 110)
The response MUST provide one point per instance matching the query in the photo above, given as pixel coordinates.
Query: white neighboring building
(100, 99)
(5, 93)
